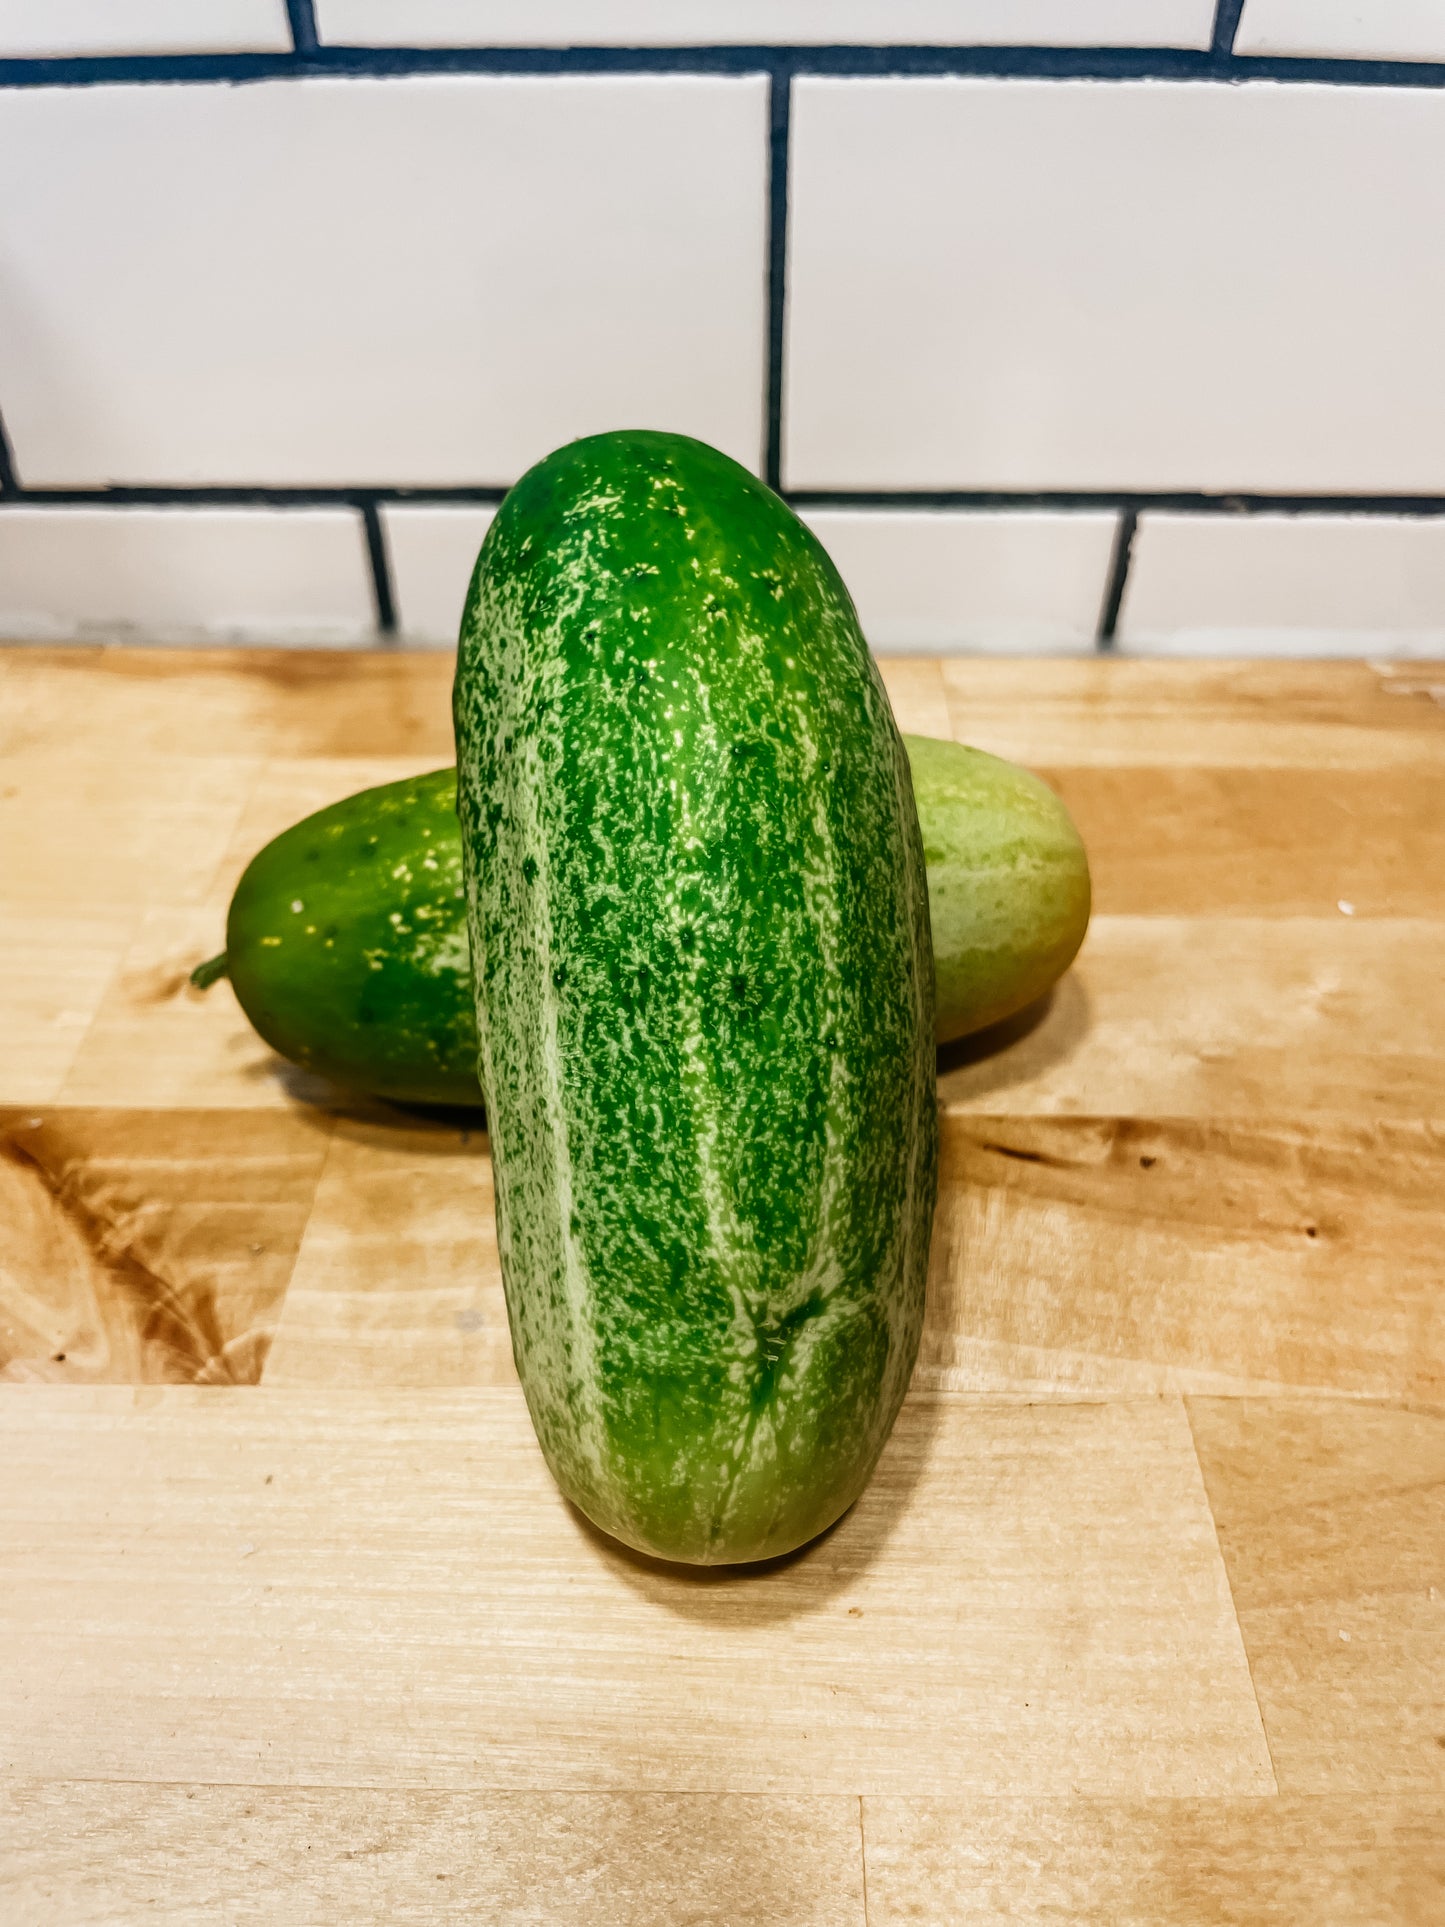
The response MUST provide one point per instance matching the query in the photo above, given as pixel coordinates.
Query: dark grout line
(253, 495)
(1226, 26)
(302, 18)
(1178, 501)
(380, 560)
(9, 481)
(1118, 578)
(1004, 63)
(780, 111)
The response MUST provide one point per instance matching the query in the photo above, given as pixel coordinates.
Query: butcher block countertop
(1143, 1616)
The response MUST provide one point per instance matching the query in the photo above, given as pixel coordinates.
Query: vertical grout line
(1226, 26)
(380, 560)
(302, 18)
(9, 481)
(780, 111)
(1118, 579)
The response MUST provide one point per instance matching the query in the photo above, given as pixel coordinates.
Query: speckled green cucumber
(1008, 883)
(1008, 893)
(699, 931)
(346, 944)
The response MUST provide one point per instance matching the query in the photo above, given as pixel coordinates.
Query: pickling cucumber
(346, 945)
(1008, 883)
(369, 981)
(704, 987)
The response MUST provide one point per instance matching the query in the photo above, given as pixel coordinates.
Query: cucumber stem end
(205, 974)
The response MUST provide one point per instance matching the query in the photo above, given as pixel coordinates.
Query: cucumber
(704, 989)
(346, 945)
(370, 983)
(1008, 883)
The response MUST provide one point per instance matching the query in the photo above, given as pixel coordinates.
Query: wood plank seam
(863, 1858)
(1224, 1564)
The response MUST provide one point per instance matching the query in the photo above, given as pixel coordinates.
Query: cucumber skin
(1008, 894)
(704, 986)
(346, 944)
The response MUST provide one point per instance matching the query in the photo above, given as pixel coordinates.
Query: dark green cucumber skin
(1008, 894)
(346, 944)
(699, 930)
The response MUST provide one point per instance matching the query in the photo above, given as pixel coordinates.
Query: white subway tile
(423, 280)
(433, 551)
(1318, 585)
(202, 574)
(945, 581)
(60, 27)
(1002, 582)
(1352, 29)
(1033, 284)
(958, 23)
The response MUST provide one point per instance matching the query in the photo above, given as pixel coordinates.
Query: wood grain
(178, 703)
(80, 831)
(1332, 1522)
(89, 1855)
(918, 694)
(1225, 1017)
(398, 1281)
(369, 1589)
(1173, 1255)
(148, 1247)
(1200, 715)
(156, 1043)
(1261, 842)
(1156, 1863)
(54, 969)
(289, 1651)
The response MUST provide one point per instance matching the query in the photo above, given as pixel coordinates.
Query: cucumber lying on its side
(347, 943)
(1008, 883)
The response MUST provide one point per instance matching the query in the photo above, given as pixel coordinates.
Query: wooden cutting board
(1142, 1619)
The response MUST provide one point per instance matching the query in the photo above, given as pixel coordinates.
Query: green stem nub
(204, 975)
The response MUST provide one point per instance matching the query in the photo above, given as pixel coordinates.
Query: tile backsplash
(1358, 29)
(476, 269)
(1000, 580)
(182, 573)
(431, 552)
(1149, 286)
(59, 27)
(1066, 323)
(636, 23)
(1285, 585)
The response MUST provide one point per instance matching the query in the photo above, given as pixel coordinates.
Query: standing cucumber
(370, 981)
(699, 932)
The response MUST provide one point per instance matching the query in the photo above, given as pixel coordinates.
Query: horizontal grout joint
(1003, 63)
(370, 496)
